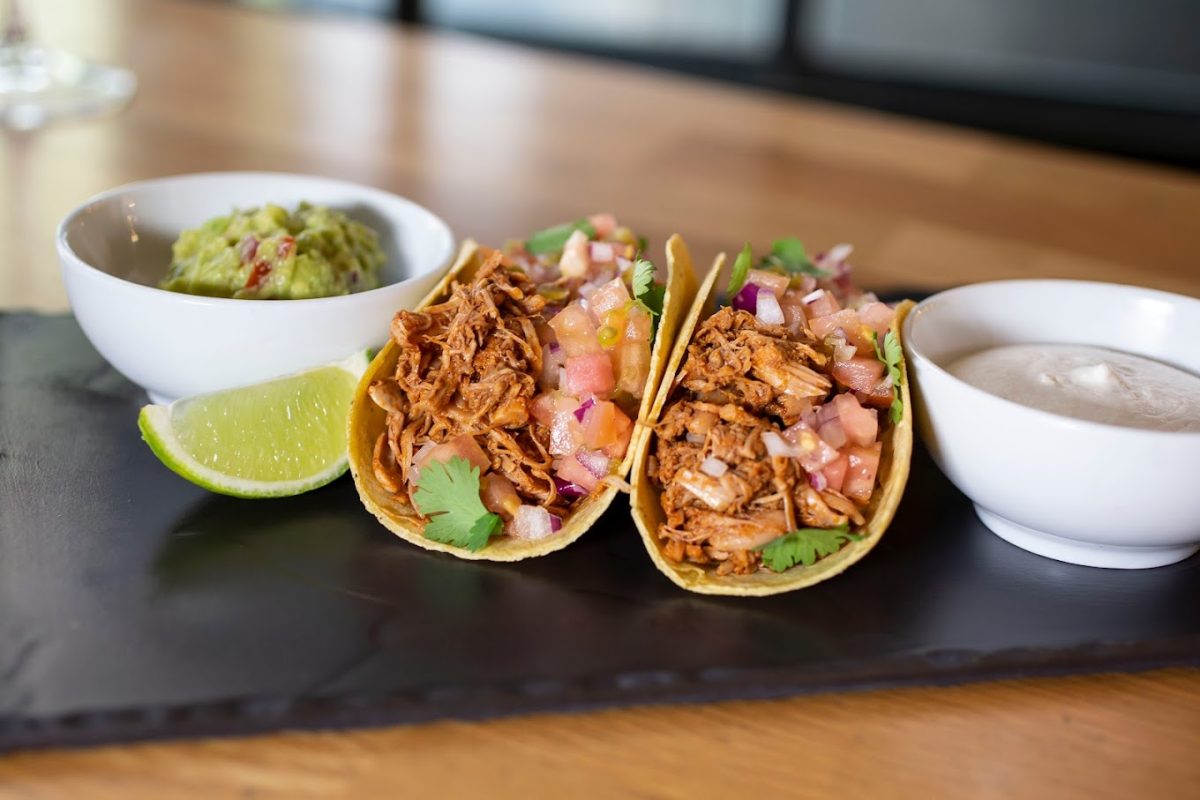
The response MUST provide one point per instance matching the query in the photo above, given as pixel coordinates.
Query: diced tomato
(638, 326)
(833, 433)
(835, 471)
(822, 306)
(556, 411)
(604, 223)
(499, 495)
(847, 321)
(862, 464)
(860, 374)
(879, 397)
(793, 313)
(590, 374)
(566, 434)
(860, 424)
(772, 281)
(463, 446)
(545, 407)
(262, 268)
(631, 359)
(607, 429)
(571, 470)
(575, 262)
(542, 408)
(609, 297)
(575, 331)
(878, 317)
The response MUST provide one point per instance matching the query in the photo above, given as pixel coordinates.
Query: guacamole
(271, 253)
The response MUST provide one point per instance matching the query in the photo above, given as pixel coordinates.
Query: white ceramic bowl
(1077, 491)
(115, 247)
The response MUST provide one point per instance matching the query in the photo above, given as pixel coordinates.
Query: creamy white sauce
(1088, 383)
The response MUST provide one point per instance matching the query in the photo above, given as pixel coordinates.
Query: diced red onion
(581, 412)
(531, 522)
(713, 467)
(568, 489)
(812, 296)
(555, 348)
(248, 248)
(776, 446)
(694, 438)
(600, 252)
(839, 252)
(555, 523)
(769, 312)
(623, 263)
(747, 298)
(818, 481)
(594, 462)
(844, 352)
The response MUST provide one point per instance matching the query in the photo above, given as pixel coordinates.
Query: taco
(779, 442)
(502, 416)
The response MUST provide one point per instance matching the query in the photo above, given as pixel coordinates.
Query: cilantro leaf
(646, 293)
(805, 546)
(789, 255)
(891, 355)
(448, 493)
(741, 268)
(551, 240)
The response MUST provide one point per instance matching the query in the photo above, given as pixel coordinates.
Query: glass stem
(13, 21)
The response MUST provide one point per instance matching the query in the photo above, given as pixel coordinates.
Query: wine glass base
(39, 86)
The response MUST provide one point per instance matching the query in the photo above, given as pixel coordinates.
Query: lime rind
(156, 426)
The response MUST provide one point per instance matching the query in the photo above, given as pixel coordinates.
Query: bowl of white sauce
(1068, 412)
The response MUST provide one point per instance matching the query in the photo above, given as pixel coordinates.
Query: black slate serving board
(134, 605)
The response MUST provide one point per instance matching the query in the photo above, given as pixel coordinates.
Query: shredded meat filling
(468, 365)
(741, 378)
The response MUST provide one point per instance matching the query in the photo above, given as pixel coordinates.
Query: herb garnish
(741, 268)
(448, 493)
(646, 293)
(805, 546)
(552, 240)
(890, 355)
(789, 255)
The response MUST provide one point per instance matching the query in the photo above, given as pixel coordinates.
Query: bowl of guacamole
(195, 283)
(275, 253)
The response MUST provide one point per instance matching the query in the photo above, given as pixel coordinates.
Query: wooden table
(501, 140)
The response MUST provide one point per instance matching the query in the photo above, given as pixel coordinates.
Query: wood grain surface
(500, 140)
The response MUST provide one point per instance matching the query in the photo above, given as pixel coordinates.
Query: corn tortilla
(648, 513)
(367, 421)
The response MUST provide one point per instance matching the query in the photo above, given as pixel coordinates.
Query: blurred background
(1115, 76)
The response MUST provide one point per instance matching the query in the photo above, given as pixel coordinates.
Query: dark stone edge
(265, 714)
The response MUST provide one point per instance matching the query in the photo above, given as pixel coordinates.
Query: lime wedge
(274, 439)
